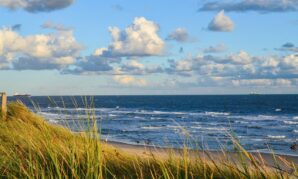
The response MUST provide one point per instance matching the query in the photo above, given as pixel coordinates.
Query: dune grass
(32, 148)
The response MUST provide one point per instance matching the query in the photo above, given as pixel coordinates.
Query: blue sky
(67, 47)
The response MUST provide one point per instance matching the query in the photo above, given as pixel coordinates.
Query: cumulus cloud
(133, 66)
(251, 5)
(221, 23)
(139, 39)
(290, 62)
(36, 5)
(215, 49)
(241, 58)
(180, 35)
(42, 51)
(93, 64)
(130, 81)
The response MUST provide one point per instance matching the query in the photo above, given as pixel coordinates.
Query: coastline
(164, 153)
(31, 148)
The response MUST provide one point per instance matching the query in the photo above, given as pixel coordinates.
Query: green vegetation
(32, 148)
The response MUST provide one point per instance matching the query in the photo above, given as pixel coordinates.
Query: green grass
(32, 148)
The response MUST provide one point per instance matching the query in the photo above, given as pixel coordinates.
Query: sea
(262, 123)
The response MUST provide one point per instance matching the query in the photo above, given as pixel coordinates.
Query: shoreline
(118, 143)
(163, 152)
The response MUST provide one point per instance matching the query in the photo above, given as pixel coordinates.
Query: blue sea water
(260, 122)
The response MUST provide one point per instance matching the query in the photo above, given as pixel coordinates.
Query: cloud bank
(124, 59)
(130, 81)
(36, 5)
(263, 6)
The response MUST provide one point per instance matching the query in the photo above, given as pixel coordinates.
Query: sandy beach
(149, 151)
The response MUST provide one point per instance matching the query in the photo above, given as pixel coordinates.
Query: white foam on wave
(295, 117)
(295, 131)
(159, 112)
(256, 117)
(217, 113)
(170, 112)
(215, 128)
(55, 116)
(152, 127)
(278, 110)
(247, 138)
(113, 115)
(198, 123)
(276, 136)
(257, 140)
(209, 128)
(196, 127)
(152, 113)
(79, 109)
(53, 121)
(291, 122)
(50, 115)
(174, 127)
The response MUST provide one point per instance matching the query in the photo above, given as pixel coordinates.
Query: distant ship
(21, 95)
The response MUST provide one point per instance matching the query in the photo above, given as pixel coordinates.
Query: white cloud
(180, 35)
(135, 64)
(184, 65)
(270, 62)
(41, 51)
(241, 58)
(136, 67)
(240, 69)
(129, 81)
(252, 82)
(92, 65)
(36, 5)
(213, 68)
(283, 82)
(138, 39)
(99, 51)
(262, 82)
(216, 49)
(55, 26)
(290, 62)
(221, 23)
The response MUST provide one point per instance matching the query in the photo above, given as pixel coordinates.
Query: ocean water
(260, 122)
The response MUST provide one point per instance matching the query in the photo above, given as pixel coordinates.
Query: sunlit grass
(32, 148)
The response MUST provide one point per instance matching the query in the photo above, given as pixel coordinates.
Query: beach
(260, 123)
(164, 153)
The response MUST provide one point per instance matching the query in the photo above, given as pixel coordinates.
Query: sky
(138, 47)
